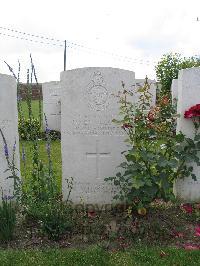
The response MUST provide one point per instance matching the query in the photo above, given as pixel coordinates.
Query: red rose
(197, 231)
(178, 234)
(188, 114)
(151, 116)
(187, 208)
(191, 247)
(193, 111)
(126, 126)
(92, 214)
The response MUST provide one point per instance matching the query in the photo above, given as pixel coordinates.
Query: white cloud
(139, 29)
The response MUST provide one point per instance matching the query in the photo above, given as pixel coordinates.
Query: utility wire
(31, 35)
(30, 40)
(71, 45)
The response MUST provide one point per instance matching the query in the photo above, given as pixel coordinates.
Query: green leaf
(116, 182)
(123, 165)
(117, 121)
(165, 184)
(194, 177)
(190, 142)
(137, 183)
(118, 174)
(197, 137)
(162, 162)
(173, 163)
(198, 145)
(109, 178)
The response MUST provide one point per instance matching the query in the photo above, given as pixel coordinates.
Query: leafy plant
(29, 129)
(169, 66)
(156, 156)
(42, 200)
(12, 169)
(7, 219)
(56, 218)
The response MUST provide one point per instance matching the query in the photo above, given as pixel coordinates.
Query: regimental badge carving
(97, 94)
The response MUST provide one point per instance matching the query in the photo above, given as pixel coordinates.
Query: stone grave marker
(9, 127)
(91, 143)
(188, 95)
(52, 105)
(174, 89)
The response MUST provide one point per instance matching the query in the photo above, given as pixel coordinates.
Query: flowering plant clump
(193, 111)
(197, 231)
(187, 208)
(194, 114)
(157, 156)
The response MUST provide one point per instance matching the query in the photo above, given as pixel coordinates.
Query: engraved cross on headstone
(98, 155)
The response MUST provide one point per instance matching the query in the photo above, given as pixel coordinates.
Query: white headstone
(153, 86)
(9, 127)
(51, 104)
(174, 89)
(188, 95)
(91, 143)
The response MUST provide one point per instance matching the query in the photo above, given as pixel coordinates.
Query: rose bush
(193, 111)
(156, 156)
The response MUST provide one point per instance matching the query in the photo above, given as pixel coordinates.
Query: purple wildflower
(19, 98)
(23, 154)
(47, 130)
(7, 197)
(6, 150)
(48, 147)
(14, 147)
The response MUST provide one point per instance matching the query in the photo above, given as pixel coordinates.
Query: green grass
(97, 257)
(155, 256)
(35, 108)
(55, 153)
(55, 147)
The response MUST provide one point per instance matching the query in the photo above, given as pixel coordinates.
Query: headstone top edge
(6, 76)
(185, 70)
(51, 82)
(97, 68)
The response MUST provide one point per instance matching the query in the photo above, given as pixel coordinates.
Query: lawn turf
(35, 108)
(96, 256)
(55, 156)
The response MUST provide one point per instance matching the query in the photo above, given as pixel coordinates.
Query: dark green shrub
(169, 66)
(7, 219)
(56, 219)
(29, 129)
(54, 216)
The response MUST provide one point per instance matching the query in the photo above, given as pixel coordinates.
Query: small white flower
(162, 146)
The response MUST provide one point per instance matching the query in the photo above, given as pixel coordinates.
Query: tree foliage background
(168, 67)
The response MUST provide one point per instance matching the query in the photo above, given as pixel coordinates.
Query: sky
(126, 34)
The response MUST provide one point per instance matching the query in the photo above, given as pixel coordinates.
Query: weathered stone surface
(174, 89)
(9, 127)
(91, 143)
(188, 95)
(52, 104)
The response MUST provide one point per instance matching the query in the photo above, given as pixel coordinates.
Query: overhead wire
(69, 44)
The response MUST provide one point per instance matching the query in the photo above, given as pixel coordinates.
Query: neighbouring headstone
(91, 143)
(188, 95)
(52, 104)
(9, 127)
(174, 89)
